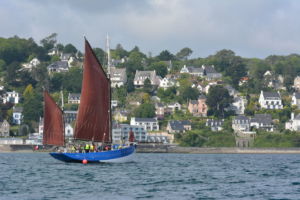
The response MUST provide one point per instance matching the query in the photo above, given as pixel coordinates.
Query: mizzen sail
(53, 122)
(93, 119)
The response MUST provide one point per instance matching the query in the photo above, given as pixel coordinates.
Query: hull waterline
(118, 155)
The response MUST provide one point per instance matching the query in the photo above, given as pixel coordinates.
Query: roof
(214, 122)
(241, 117)
(297, 117)
(59, 64)
(195, 69)
(179, 125)
(74, 96)
(193, 102)
(18, 109)
(202, 96)
(210, 69)
(297, 95)
(145, 120)
(271, 94)
(159, 105)
(262, 118)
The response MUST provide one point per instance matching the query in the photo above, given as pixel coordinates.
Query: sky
(251, 28)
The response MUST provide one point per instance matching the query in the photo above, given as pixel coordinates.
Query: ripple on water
(152, 176)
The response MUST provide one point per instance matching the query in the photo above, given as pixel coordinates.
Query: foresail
(53, 122)
(93, 119)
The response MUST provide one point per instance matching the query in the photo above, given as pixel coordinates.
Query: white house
(150, 124)
(118, 77)
(4, 128)
(239, 104)
(270, 100)
(58, 66)
(174, 107)
(297, 83)
(74, 98)
(215, 124)
(33, 63)
(166, 83)
(12, 97)
(17, 115)
(241, 123)
(195, 71)
(262, 121)
(141, 76)
(69, 131)
(296, 99)
(294, 123)
(120, 133)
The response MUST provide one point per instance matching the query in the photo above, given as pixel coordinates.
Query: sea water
(152, 176)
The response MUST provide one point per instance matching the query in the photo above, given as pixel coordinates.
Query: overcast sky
(251, 28)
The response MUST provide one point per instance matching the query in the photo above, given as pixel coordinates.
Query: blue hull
(118, 155)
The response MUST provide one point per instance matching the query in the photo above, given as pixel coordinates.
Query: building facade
(270, 100)
(150, 124)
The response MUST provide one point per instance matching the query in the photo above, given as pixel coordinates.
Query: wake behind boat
(93, 121)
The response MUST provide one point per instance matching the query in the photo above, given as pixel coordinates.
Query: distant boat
(93, 121)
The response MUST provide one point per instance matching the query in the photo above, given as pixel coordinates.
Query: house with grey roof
(195, 71)
(296, 99)
(176, 126)
(215, 124)
(17, 115)
(210, 73)
(58, 66)
(166, 82)
(70, 116)
(270, 100)
(173, 107)
(4, 128)
(294, 123)
(241, 123)
(141, 76)
(74, 98)
(150, 124)
(262, 121)
(118, 77)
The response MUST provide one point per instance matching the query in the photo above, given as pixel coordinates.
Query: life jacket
(92, 147)
(87, 146)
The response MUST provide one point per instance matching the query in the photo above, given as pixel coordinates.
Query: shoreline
(160, 148)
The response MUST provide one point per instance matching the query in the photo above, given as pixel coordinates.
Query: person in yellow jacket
(87, 148)
(92, 148)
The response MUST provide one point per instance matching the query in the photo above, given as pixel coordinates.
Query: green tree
(146, 110)
(184, 53)
(188, 93)
(49, 41)
(100, 54)
(165, 56)
(161, 68)
(69, 48)
(147, 86)
(218, 99)
(32, 107)
(120, 52)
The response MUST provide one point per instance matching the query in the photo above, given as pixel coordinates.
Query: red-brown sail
(93, 119)
(53, 122)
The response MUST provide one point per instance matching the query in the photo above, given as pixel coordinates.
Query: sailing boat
(93, 121)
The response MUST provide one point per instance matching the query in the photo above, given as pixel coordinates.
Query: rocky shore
(160, 148)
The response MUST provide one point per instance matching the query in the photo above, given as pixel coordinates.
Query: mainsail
(93, 119)
(53, 122)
